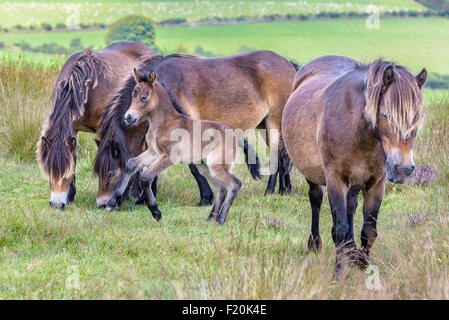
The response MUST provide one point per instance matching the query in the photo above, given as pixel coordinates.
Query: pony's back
(325, 66)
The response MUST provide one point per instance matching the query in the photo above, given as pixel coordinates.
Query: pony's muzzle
(58, 200)
(130, 118)
(397, 173)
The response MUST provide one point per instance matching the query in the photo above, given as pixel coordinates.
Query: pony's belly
(299, 130)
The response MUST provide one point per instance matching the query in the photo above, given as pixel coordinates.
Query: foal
(151, 102)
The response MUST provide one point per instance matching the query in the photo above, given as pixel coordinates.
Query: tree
(132, 28)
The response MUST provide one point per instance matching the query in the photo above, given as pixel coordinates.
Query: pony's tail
(251, 158)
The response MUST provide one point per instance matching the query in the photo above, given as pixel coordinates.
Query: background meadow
(261, 251)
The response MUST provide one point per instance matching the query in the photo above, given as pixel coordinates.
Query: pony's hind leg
(279, 159)
(221, 191)
(232, 185)
(206, 194)
(316, 199)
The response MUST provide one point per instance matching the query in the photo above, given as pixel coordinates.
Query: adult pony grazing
(82, 91)
(346, 125)
(245, 91)
(152, 103)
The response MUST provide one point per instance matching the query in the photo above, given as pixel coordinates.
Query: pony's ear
(136, 75)
(388, 77)
(421, 78)
(97, 142)
(72, 143)
(115, 150)
(151, 77)
(46, 143)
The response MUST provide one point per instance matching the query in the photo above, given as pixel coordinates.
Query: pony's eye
(384, 115)
(144, 97)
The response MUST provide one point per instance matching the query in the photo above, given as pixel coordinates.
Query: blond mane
(402, 99)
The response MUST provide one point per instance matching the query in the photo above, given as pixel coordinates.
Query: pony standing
(245, 91)
(152, 103)
(349, 126)
(81, 93)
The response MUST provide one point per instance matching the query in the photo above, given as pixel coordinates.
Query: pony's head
(143, 98)
(57, 158)
(113, 150)
(394, 106)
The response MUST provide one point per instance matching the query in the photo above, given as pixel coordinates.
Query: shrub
(132, 28)
(46, 26)
(2, 45)
(204, 53)
(61, 26)
(173, 21)
(75, 45)
(19, 27)
(182, 48)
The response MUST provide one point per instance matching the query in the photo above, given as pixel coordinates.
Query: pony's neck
(164, 111)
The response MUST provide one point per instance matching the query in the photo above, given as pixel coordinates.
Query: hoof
(361, 260)
(157, 217)
(212, 216)
(141, 201)
(314, 244)
(204, 203)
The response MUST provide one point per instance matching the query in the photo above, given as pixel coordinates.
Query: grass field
(45, 253)
(53, 12)
(415, 43)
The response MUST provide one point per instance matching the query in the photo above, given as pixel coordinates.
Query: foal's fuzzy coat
(151, 102)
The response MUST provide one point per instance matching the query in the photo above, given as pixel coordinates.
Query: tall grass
(126, 254)
(25, 103)
(25, 91)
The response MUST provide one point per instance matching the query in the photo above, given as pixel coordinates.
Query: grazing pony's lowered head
(143, 99)
(56, 148)
(395, 107)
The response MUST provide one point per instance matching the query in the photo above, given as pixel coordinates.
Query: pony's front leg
(337, 191)
(72, 191)
(371, 206)
(160, 164)
(131, 167)
(351, 207)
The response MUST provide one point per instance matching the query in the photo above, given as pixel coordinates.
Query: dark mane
(69, 97)
(111, 125)
(112, 130)
(173, 100)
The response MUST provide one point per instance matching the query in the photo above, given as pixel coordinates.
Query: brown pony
(349, 125)
(214, 146)
(82, 91)
(245, 91)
